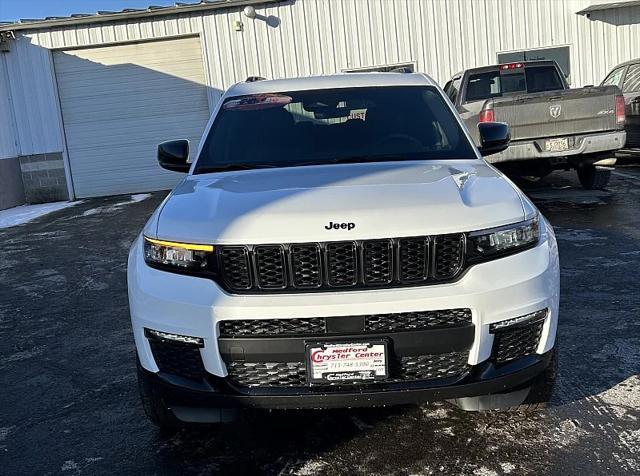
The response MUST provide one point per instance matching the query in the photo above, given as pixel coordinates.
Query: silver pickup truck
(552, 127)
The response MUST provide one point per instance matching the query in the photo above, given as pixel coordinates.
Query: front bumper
(591, 144)
(494, 291)
(216, 393)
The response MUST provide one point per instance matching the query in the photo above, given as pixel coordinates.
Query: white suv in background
(340, 242)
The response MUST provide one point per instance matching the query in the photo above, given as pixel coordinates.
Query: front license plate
(556, 145)
(335, 362)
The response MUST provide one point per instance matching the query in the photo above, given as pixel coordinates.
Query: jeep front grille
(340, 265)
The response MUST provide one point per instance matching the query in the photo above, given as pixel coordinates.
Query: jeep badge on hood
(337, 226)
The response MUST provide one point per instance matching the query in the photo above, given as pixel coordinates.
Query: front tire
(531, 398)
(542, 387)
(593, 178)
(153, 404)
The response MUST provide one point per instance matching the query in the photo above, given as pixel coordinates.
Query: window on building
(615, 77)
(632, 80)
(559, 54)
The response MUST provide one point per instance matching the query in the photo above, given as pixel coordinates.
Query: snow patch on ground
(508, 468)
(484, 472)
(311, 468)
(25, 213)
(624, 398)
(116, 206)
(139, 197)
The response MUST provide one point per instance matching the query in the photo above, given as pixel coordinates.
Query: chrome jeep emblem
(555, 110)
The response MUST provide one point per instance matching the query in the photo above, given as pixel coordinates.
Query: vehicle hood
(296, 204)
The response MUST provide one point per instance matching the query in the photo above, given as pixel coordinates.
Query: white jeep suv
(339, 241)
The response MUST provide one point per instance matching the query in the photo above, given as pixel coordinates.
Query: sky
(12, 10)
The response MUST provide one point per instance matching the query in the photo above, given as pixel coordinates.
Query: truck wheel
(153, 405)
(593, 177)
(542, 387)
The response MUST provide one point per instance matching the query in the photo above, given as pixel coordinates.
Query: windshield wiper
(229, 167)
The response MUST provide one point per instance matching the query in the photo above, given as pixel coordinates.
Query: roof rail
(253, 79)
(401, 69)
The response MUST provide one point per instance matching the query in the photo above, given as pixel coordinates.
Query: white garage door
(119, 102)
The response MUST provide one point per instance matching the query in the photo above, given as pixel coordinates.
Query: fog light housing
(168, 336)
(523, 320)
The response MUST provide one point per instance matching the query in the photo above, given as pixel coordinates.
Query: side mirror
(494, 137)
(174, 155)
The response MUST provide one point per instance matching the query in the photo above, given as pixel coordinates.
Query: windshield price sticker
(345, 362)
(258, 102)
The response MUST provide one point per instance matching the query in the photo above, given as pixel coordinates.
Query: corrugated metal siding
(8, 139)
(326, 36)
(33, 94)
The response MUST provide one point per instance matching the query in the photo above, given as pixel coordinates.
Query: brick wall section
(43, 178)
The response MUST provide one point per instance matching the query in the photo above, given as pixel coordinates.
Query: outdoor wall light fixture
(250, 12)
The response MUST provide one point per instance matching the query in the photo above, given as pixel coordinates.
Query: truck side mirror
(494, 137)
(173, 155)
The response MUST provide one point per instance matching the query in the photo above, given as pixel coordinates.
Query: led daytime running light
(153, 334)
(186, 246)
(520, 320)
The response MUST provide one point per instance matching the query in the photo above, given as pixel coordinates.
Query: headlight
(496, 242)
(171, 254)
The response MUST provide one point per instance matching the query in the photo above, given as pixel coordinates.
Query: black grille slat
(377, 257)
(403, 369)
(267, 374)
(306, 266)
(270, 266)
(407, 321)
(348, 264)
(342, 264)
(312, 326)
(428, 367)
(448, 257)
(178, 358)
(236, 267)
(516, 342)
(273, 327)
(414, 259)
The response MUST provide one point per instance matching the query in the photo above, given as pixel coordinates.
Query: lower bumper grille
(315, 326)
(178, 358)
(402, 369)
(519, 341)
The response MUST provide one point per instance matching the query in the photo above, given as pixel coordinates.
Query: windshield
(329, 126)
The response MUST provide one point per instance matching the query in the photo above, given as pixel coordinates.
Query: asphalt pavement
(69, 402)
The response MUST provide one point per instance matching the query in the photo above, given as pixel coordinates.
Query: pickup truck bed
(559, 123)
(552, 126)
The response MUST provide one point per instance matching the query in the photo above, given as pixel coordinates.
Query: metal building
(84, 99)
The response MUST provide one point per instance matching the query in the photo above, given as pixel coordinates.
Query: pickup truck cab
(552, 126)
(339, 241)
